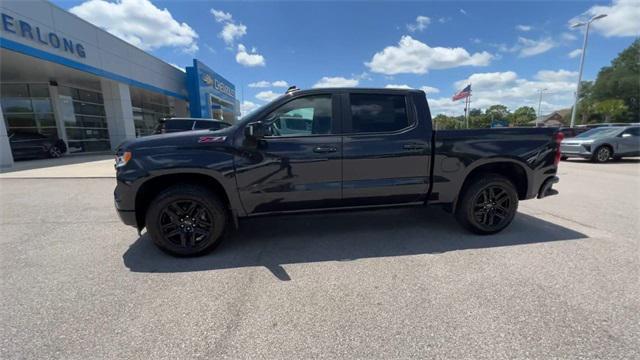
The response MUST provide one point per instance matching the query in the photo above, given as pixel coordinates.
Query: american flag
(464, 93)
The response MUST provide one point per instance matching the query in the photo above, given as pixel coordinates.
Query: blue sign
(35, 34)
(498, 123)
(206, 86)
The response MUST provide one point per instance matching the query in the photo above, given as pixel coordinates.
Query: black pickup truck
(348, 149)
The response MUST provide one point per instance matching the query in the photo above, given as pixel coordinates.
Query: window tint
(309, 115)
(633, 131)
(209, 125)
(178, 124)
(205, 125)
(378, 113)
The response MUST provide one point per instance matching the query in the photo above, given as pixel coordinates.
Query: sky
(508, 50)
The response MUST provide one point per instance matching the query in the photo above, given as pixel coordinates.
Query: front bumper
(575, 151)
(122, 201)
(128, 217)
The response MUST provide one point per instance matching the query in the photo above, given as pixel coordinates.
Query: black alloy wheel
(186, 223)
(488, 204)
(54, 152)
(186, 220)
(492, 206)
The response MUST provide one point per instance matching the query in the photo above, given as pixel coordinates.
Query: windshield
(250, 117)
(599, 132)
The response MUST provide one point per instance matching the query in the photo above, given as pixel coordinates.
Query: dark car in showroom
(172, 125)
(30, 145)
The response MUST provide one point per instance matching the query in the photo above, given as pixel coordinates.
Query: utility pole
(539, 104)
(582, 55)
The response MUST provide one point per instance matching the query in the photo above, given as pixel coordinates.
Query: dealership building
(62, 76)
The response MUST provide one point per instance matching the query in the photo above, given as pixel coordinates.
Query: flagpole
(468, 109)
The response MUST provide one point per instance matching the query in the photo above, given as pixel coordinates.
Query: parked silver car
(603, 143)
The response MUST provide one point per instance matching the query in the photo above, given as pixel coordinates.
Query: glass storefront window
(16, 105)
(27, 109)
(20, 120)
(42, 106)
(148, 109)
(14, 90)
(87, 127)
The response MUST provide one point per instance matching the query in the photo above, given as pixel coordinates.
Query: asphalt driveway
(562, 281)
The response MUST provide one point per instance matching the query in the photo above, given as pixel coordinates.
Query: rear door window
(378, 113)
(178, 125)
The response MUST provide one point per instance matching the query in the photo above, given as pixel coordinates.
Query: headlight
(123, 159)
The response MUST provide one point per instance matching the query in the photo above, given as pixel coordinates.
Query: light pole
(540, 103)
(584, 50)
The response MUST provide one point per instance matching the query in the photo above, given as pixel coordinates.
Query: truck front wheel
(186, 220)
(488, 204)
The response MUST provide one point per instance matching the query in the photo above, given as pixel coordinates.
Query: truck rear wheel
(488, 204)
(186, 220)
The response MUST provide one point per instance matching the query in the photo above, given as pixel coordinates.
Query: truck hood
(179, 139)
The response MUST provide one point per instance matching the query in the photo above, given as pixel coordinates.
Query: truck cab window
(374, 113)
(309, 115)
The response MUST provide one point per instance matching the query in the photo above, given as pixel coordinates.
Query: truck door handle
(414, 147)
(324, 149)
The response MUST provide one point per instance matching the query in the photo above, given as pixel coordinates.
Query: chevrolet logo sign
(206, 78)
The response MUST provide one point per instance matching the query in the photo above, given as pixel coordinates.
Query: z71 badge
(211, 139)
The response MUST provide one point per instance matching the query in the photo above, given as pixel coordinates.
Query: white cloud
(463, 12)
(266, 84)
(622, 18)
(247, 107)
(267, 95)
(260, 84)
(139, 23)
(575, 53)
(249, 59)
(524, 27)
(221, 16)
(430, 89)
(487, 80)
(397, 86)
(426, 89)
(556, 75)
(566, 36)
(415, 57)
(509, 89)
(421, 23)
(232, 32)
(443, 20)
(528, 47)
(337, 81)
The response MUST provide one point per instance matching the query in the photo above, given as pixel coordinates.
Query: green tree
(479, 121)
(475, 112)
(621, 81)
(611, 108)
(443, 122)
(497, 111)
(523, 116)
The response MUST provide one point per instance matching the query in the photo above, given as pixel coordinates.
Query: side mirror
(255, 130)
(626, 135)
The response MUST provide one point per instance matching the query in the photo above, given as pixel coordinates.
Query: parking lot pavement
(562, 281)
(72, 166)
